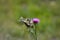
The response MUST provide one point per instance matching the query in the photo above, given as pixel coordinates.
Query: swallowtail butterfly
(27, 21)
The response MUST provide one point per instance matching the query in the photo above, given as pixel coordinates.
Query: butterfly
(27, 21)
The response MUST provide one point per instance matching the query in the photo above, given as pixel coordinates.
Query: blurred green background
(48, 11)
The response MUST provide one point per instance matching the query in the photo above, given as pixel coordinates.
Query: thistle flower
(31, 23)
(36, 20)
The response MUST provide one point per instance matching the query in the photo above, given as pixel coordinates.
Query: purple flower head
(36, 20)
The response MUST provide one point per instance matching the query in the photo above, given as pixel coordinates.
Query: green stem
(35, 32)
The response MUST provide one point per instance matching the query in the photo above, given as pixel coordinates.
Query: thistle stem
(35, 32)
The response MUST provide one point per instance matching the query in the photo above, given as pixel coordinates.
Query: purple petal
(36, 20)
